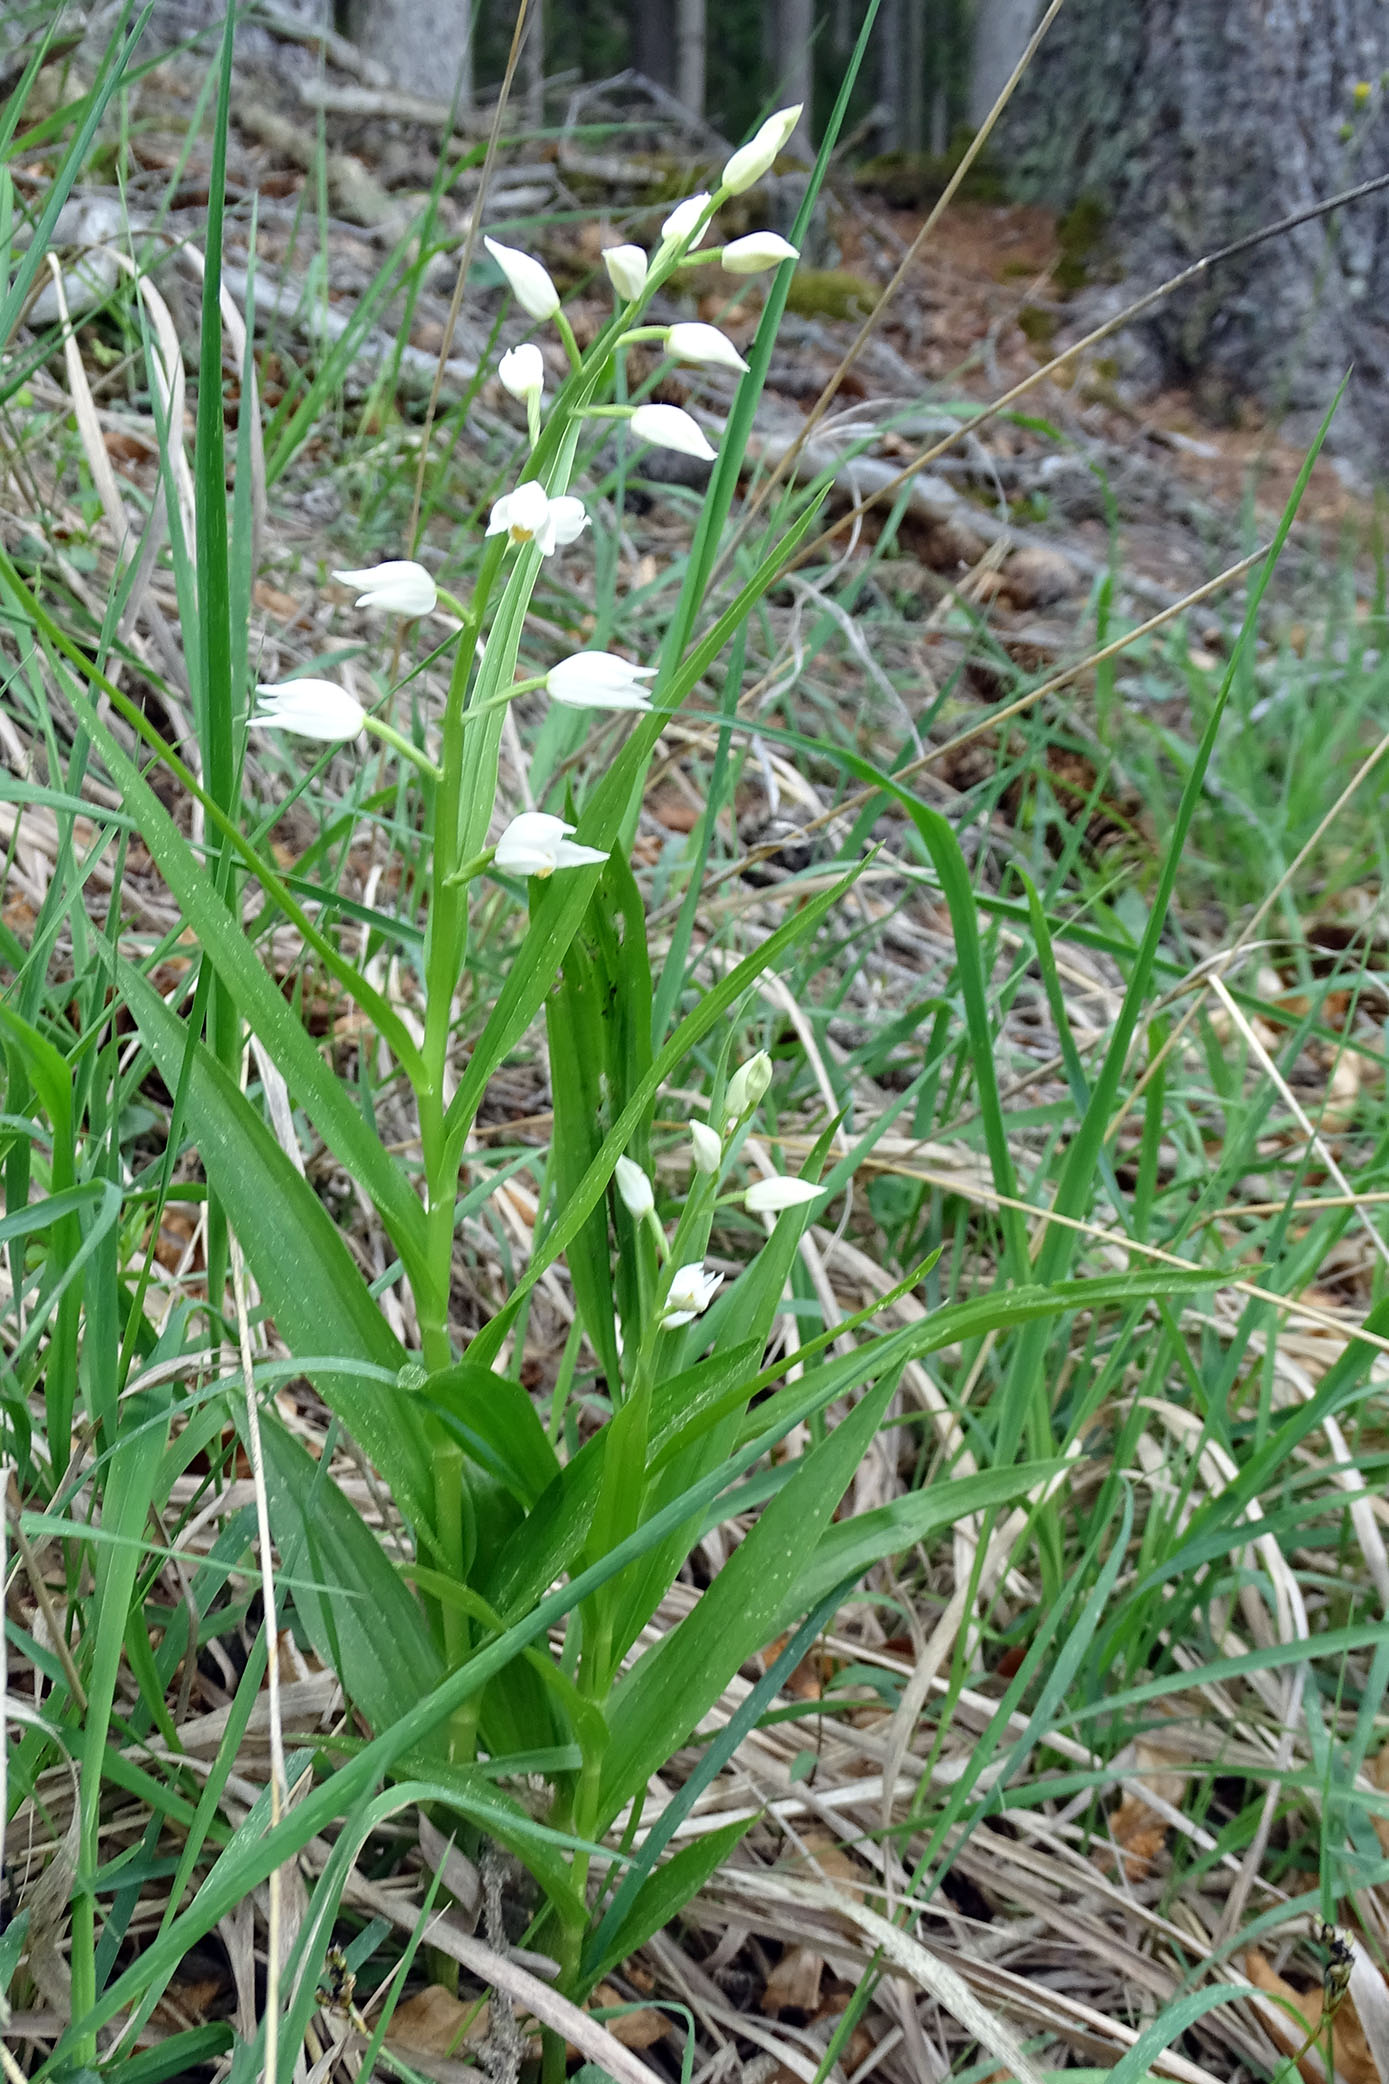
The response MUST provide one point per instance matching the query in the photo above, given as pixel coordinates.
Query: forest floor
(1181, 1770)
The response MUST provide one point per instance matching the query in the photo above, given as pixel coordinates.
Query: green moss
(1037, 327)
(830, 293)
(1081, 237)
(915, 180)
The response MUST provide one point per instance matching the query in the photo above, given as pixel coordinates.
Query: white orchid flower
(310, 709)
(528, 282)
(598, 680)
(755, 158)
(768, 1197)
(756, 252)
(707, 1145)
(682, 222)
(691, 342)
(747, 1087)
(536, 844)
(626, 266)
(528, 515)
(671, 427)
(690, 1293)
(634, 1188)
(398, 587)
(521, 371)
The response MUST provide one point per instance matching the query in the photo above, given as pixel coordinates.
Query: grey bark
(1001, 30)
(425, 45)
(888, 57)
(689, 54)
(794, 62)
(1189, 123)
(652, 26)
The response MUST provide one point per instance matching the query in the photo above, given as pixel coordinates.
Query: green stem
(566, 334)
(389, 735)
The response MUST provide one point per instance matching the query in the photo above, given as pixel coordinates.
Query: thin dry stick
(465, 261)
(279, 1785)
(952, 188)
(1294, 1106)
(849, 804)
(1079, 347)
(978, 1190)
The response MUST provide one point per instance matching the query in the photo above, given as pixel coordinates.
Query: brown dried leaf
(435, 2022)
(639, 2029)
(1378, 1770)
(794, 1983)
(1135, 1828)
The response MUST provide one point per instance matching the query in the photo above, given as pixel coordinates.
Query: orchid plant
(513, 1643)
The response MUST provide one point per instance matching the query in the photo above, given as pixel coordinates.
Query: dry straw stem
(947, 197)
(265, 1542)
(465, 261)
(1092, 339)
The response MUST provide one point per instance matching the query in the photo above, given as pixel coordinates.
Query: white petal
(747, 1087)
(569, 518)
(309, 708)
(755, 158)
(521, 371)
(683, 219)
(398, 587)
(521, 514)
(569, 854)
(536, 844)
(692, 342)
(635, 1189)
(708, 1147)
(759, 250)
(690, 1293)
(671, 427)
(769, 1196)
(626, 266)
(528, 281)
(598, 680)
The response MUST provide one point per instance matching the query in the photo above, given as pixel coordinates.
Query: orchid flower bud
(528, 282)
(310, 709)
(521, 371)
(691, 342)
(626, 266)
(398, 587)
(768, 1197)
(708, 1147)
(755, 158)
(598, 680)
(634, 1189)
(747, 1087)
(759, 250)
(671, 427)
(682, 220)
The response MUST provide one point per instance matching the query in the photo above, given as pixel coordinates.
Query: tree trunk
(1001, 30)
(889, 64)
(533, 64)
(795, 68)
(425, 45)
(1181, 125)
(654, 40)
(689, 42)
